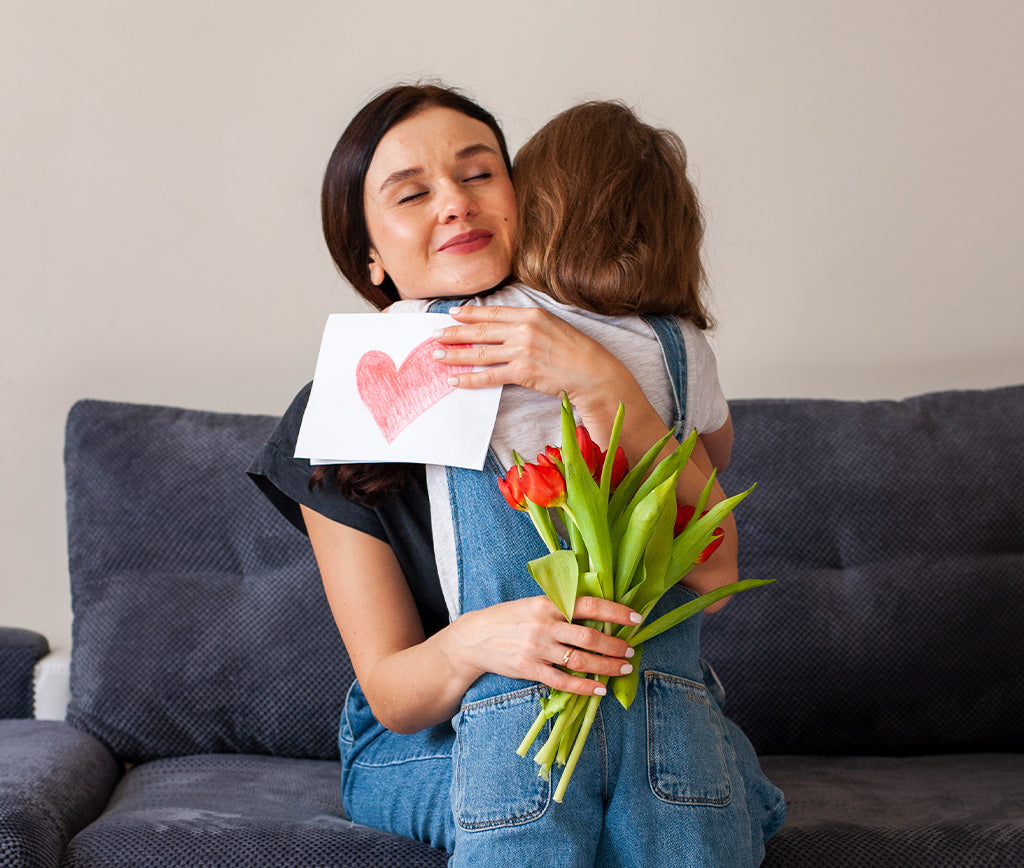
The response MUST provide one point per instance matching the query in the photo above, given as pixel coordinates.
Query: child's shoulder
(409, 305)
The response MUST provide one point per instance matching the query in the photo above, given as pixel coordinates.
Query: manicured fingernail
(600, 691)
(453, 381)
(630, 651)
(439, 354)
(636, 617)
(626, 669)
(455, 311)
(437, 334)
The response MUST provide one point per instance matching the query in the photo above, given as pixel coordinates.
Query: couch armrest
(19, 651)
(54, 780)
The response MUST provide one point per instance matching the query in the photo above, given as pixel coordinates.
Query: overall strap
(673, 349)
(443, 305)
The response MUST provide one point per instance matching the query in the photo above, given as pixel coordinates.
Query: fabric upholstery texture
(895, 531)
(200, 624)
(20, 650)
(951, 811)
(236, 810)
(54, 780)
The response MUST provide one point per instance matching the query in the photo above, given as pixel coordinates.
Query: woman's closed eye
(412, 197)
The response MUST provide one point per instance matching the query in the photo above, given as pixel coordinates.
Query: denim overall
(671, 781)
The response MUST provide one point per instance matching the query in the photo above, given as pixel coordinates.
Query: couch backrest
(896, 533)
(200, 624)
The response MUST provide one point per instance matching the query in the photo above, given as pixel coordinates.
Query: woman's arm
(412, 681)
(534, 348)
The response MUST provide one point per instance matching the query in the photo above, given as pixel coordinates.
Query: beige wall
(861, 166)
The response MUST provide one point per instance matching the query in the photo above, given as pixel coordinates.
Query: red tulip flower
(512, 490)
(684, 515)
(542, 484)
(716, 541)
(550, 457)
(620, 467)
(591, 452)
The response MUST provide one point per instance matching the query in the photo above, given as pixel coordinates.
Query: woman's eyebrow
(463, 154)
(474, 150)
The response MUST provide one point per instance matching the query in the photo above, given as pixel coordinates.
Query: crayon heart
(396, 397)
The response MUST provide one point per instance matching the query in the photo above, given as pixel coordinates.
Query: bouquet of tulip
(628, 541)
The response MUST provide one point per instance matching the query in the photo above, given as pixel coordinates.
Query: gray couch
(880, 678)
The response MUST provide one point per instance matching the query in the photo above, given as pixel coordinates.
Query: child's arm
(719, 444)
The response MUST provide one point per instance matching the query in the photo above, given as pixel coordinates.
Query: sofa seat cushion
(53, 781)
(219, 809)
(949, 811)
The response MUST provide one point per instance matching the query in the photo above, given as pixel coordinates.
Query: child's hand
(532, 348)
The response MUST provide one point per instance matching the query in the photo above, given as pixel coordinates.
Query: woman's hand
(530, 639)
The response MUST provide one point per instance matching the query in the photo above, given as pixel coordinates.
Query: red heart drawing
(396, 397)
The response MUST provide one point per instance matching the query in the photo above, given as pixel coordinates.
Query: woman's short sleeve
(284, 479)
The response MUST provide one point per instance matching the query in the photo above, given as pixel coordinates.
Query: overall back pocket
(494, 786)
(685, 742)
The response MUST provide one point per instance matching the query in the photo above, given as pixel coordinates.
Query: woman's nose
(456, 204)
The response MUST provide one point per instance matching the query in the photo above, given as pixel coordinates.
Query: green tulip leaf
(624, 686)
(643, 521)
(688, 610)
(557, 573)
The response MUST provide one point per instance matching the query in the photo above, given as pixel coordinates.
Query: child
(609, 240)
(610, 229)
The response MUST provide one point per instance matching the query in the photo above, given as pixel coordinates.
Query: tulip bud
(512, 490)
(620, 467)
(543, 485)
(683, 516)
(716, 541)
(591, 452)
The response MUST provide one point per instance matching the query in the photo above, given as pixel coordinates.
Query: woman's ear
(377, 274)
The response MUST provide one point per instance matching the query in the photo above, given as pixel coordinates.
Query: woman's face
(440, 208)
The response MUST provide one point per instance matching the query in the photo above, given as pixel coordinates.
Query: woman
(418, 202)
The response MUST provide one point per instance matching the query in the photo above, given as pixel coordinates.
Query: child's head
(608, 221)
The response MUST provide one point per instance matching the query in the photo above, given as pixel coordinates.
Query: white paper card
(379, 395)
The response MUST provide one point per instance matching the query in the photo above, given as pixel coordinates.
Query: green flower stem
(545, 526)
(535, 730)
(546, 755)
(581, 739)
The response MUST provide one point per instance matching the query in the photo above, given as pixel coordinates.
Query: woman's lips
(467, 242)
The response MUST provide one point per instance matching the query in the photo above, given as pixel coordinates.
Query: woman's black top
(401, 518)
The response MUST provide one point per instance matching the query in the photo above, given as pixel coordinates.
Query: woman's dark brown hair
(608, 220)
(348, 240)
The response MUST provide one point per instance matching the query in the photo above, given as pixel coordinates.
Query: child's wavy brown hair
(608, 220)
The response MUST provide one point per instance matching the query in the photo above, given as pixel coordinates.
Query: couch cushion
(200, 623)
(53, 781)
(895, 530)
(954, 811)
(237, 810)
